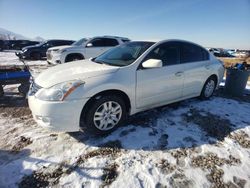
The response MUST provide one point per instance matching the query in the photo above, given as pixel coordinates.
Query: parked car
(83, 49)
(98, 94)
(215, 51)
(8, 44)
(37, 52)
(220, 52)
(19, 44)
(2, 44)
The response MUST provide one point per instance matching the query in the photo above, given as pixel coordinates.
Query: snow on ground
(9, 58)
(190, 144)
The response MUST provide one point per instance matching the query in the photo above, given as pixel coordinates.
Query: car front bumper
(21, 55)
(63, 116)
(54, 58)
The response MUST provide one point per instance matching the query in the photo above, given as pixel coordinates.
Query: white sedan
(98, 94)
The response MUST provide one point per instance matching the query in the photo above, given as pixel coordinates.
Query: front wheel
(105, 115)
(208, 88)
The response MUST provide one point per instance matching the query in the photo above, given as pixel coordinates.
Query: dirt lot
(230, 61)
(193, 143)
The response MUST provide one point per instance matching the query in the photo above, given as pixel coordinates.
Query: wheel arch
(74, 54)
(215, 77)
(211, 76)
(117, 92)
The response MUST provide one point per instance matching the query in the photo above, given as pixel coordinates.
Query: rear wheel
(104, 115)
(208, 88)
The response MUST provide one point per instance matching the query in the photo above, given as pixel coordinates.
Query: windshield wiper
(99, 61)
(105, 63)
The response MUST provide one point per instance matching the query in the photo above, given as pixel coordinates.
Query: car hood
(72, 48)
(82, 70)
(31, 47)
(59, 47)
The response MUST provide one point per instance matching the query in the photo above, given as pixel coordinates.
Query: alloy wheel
(209, 88)
(107, 115)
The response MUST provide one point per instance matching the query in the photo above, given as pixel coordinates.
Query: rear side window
(192, 53)
(167, 52)
(111, 42)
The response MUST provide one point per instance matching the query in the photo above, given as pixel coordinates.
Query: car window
(58, 43)
(66, 42)
(111, 42)
(79, 42)
(192, 53)
(125, 40)
(98, 42)
(124, 54)
(47, 44)
(167, 52)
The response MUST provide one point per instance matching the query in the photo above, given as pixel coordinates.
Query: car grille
(34, 88)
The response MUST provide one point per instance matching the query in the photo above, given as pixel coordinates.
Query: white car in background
(83, 49)
(98, 94)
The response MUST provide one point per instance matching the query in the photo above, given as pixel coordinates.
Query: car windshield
(79, 42)
(123, 55)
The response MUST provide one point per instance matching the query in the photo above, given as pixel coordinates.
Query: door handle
(179, 74)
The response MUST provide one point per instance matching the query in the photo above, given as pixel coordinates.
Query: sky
(211, 23)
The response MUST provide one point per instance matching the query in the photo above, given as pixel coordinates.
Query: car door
(195, 61)
(95, 47)
(158, 86)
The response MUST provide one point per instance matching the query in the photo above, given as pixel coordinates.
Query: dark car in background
(37, 52)
(7, 44)
(2, 44)
(19, 44)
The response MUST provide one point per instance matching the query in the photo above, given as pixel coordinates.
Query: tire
(23, 89)
(1, 91)
(36, 56)
(72, 57)
(96, 117)
(208, 88)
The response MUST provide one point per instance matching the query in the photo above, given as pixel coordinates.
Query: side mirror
(89, 45)
(152, 63)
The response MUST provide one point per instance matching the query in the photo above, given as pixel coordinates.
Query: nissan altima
(98, 94)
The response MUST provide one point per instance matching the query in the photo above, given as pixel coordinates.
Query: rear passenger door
(195, 61)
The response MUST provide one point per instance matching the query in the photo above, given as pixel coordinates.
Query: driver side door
(158, 86)
(95, 47)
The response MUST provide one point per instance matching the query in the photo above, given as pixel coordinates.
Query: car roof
(58, 40)
(174, 40)
(110, 36)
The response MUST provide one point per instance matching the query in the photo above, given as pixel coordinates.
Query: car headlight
(61, 51)
(25, 50)
(58, 92)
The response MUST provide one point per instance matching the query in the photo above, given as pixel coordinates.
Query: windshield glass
(79, 42)
(123, 55)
